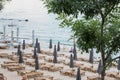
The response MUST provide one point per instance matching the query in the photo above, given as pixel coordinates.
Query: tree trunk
(103, 74)
(102, 48)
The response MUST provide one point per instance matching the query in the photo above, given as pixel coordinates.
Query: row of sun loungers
(71, 72)
(33, 64)
(37, 75)
(50, 59)
(50, 53)
(30, 74)
(12, 66)
(15, 68)
(82, 66)
(7, 65)
(47, 77)
(109, 76)
(51, 67)
(97, 77)
(4, 55)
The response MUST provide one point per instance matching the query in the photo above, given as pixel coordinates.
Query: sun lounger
(15, 58)
(41, 78)
(93, 77)
(29, 62)
(46, 66)
(3, 55)
(47, 77)
(78, 64)
(71, 72)
(28, 55)
(112, 74)
(55, 68)
(32, 63)
(9, 64)
(34, 74)
(50, 59)
(15, 68)
(108, 78)
(20, 72)
(87, 67)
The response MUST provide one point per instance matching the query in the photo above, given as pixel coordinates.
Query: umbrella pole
(92, 65)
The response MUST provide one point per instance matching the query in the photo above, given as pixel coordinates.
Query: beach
(45, 58)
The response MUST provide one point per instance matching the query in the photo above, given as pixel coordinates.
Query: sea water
(15, 13)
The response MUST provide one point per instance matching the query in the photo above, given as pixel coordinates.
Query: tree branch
(111, 61)
(107, 12)
(108, 54)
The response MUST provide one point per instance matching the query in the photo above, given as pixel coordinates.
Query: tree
(98, 28)
(2, 3)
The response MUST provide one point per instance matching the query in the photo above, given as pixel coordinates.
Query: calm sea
(44, 24)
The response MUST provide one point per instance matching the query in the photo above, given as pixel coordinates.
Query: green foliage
(88, 7)
(101, 30)
(87, 33)
(2, 3)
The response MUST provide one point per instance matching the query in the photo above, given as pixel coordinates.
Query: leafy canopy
(90, 8)
(101, 30)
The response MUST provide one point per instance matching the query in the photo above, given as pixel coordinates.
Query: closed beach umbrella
(35, 53)
(18, 51)
(91, 56)
(55, 55)
(38, 48)
(17, 33)
(33, 33)
(21, 58)
(23, 46)
(71, 61)
(99, 70)
(78, 76)
(50, 44)
(36, 63)
(74, 52)
(118, 67)
(36, 44)
(58, 46)
(4, 33)
(11, 38)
